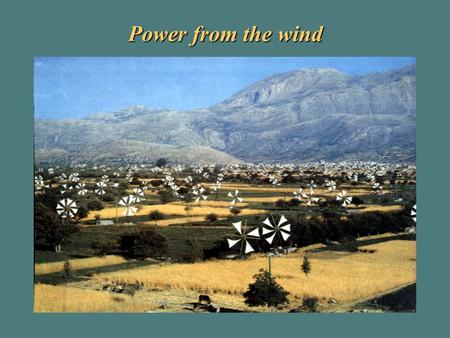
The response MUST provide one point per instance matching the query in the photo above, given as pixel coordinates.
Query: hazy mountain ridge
(305, 115)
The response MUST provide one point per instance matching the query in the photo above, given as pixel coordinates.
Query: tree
(166, 196)
(212, 217)
(161, 162)
(306, 266)
(155, 215)
(48, 227)
(67, 269)
(82, 212)
(357, 201)
(143, 243)
(188, 208)
(94, 204)
(265, 291)
(235, 211)
(194, 251)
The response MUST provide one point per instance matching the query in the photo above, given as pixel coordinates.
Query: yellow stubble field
(340, 275)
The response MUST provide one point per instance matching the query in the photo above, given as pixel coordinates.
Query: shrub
(142, 244)
(67, 268)
(265, 291)
(166, 196)
(194, 251)
(212, 217)
(108, 197)
(49, 228)
(94, 204)
(155, 215)
(103, 248)
(282, 204)
(357, 201)
(235, 211)
(310, 304)
(306, 266)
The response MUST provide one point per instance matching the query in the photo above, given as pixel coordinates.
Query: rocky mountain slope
(306, 115)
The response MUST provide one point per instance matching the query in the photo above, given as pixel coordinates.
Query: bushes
(155, 215)
(265, 291)
(333, 228)
(48, 227)
(194, 251)
(211, 217)
(310, 304)
(95, 204)
(103, 248)
(142, 244)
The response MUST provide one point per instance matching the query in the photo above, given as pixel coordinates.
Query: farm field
(339, 275)
(168, 241)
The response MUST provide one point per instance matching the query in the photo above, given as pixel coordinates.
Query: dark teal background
(101, 28)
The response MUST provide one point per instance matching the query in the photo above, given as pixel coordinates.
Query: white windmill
(65, 188)
(331, 185)
(298, 194)
(342, 196)
(138, 194)
(81, 187)
(216, 187)
(74, 177)
(199, 194)
(235, 197)
(128, 202)
(413, 212)
(310, 199)
(66, 208)
(144, 185)
(39, 183)
(283, 227)
(100, 189)
(243, 237)
(378, 188)
(311, 185)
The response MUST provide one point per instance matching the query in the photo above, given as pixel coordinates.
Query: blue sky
(75, 87)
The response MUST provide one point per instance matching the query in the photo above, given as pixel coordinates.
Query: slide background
(101, 28)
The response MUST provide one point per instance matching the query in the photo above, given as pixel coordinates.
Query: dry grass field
(177, 221)
(51, 298)
(174, 208)
(343, 276)
(76, 264)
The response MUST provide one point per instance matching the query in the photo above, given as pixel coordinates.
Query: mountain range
(306, 115)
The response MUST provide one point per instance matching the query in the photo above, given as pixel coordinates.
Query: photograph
(221, 184)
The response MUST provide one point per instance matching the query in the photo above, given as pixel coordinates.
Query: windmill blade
(248, 247)
(254, 233)
(266, 231)
(267, 222)
(240, 199)
(232, 242)
(284, 235)
(230, 194)
(270, 239)
(238, 226)
(282, 220)
(286, 227)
